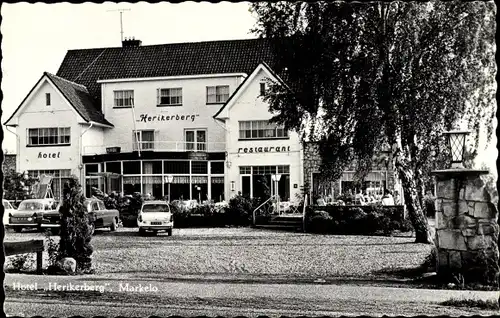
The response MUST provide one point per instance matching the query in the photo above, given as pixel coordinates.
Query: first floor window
(169, 96)
(124, 98)
(144, 140)
(217, 94)
(261, 129)
(256, 181)
(196, 140)
(49, 136)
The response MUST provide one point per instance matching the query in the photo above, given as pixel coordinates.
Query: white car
(7, 209)
(155, 216)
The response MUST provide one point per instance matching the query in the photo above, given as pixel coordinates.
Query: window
(131, 167)
(169, 96)
(196, 140)
(49, 136)
(217, 167)
(47, 99)
(124, 98)
(180, 167)
(144, 139)
(217, 94)
(262, 89)
(261, 129)
(199, 167)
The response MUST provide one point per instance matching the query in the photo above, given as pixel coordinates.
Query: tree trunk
(415, 211)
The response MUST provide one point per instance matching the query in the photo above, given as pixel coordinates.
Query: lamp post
(276, 178)
(198, 188)
(456, 142)
(169, 179)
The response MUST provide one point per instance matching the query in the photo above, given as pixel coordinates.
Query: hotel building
(188, 117)
(124, 118)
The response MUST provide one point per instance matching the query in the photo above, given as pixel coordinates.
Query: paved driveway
(248, 253)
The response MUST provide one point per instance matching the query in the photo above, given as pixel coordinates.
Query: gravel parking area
(246, 251)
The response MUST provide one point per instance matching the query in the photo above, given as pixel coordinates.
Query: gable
(248, 93)
(35, 102)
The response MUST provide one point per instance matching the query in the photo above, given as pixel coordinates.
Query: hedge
(352, 219)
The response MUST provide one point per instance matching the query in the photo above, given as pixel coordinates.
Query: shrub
(52, 250)
(239, 211)
(355, 220)
(75, 228)
(19, 263)
(321, 222)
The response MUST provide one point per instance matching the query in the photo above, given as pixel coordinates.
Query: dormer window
(47, 99)
(262, 89)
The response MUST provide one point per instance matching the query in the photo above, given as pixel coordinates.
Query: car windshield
(155, 208)
(30, 205)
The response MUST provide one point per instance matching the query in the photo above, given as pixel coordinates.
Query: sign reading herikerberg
(149, 118)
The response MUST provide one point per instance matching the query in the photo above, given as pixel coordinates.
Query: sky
(37, 36)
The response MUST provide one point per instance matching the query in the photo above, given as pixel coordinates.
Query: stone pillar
(466, 226)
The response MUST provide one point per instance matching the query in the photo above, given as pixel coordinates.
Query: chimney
(131, 42)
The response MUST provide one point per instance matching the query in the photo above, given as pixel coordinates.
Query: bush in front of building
(76, 231)
(381, 220)
(239, 211)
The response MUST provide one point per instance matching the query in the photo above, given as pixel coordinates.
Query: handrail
(304, 214)
(253, 213)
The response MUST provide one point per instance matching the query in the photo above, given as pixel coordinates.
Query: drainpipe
(18, 148)
(80, 148)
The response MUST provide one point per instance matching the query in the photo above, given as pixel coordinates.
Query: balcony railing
(159, 146)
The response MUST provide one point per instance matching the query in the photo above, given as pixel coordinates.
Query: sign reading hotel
(49, 155)
(157, 118)
(263, 149)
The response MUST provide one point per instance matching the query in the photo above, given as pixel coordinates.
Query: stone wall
(466, 227)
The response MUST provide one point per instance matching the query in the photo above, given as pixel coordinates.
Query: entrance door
(246, 186)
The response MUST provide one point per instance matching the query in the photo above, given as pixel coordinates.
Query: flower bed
(368, 220)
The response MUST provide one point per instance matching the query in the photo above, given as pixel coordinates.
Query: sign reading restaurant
(263, 149)
(148, 118)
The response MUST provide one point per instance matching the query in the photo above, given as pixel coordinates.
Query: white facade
(62, 159)
(248, 105)
(217, 169)
(168, 122)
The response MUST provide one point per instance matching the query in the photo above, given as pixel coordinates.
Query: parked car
(51, 220)
(155, 216)
(7, 209)
(29, 214)
(99, 216)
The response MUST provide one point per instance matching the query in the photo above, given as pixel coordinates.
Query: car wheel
(55, 231)
(18, 229)
(169, 232)
(141, 231)
(113, 226)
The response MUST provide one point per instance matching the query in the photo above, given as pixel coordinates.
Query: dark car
(30, 213)
(99, 216)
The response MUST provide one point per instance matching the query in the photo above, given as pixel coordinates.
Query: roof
(79, 97)
(87, 66)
